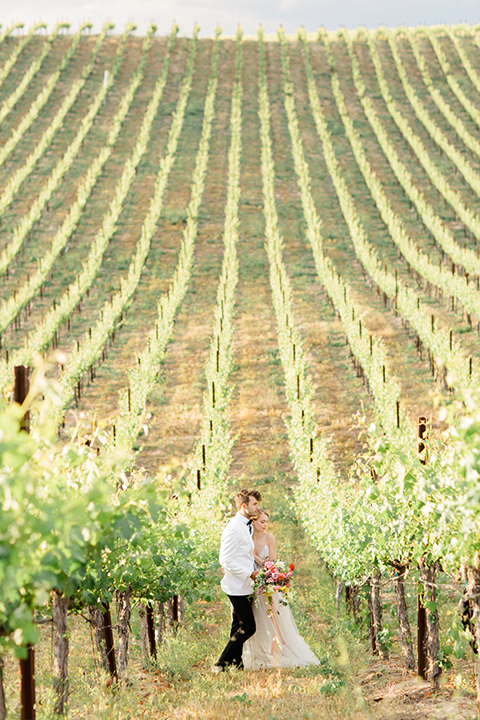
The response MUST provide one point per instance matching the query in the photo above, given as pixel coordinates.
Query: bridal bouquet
(272, 578)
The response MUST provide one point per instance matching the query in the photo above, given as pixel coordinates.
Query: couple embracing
(259, 638)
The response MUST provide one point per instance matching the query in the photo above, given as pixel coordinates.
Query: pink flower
(273, 578)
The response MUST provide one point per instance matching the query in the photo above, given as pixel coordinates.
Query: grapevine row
(42, 98)
(18, 48)
(82, 359)
(454, 285)
(344, 523)
(211, 457)
(409, 513)
(22, 173)
(437, 135)
(456, 122)
(310, 457)
(22, 230)
(12, 306)
(298, 385)
(471, 72)
(9, 30)
(439, 341)
(10, 102)
(370, 354)
(64, 307)
(441, 233)
(143, 376)
(468, 217)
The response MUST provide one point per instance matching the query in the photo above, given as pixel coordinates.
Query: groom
(236, 559)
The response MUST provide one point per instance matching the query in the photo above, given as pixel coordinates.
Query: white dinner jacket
(236, 557)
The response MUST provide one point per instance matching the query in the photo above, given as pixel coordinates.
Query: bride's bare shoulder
(270, 539)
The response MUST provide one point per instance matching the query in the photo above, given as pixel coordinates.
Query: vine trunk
(403, 621)
(377, 627)
(432, 641)
(123, 622)
(473, 588)
(60, 650)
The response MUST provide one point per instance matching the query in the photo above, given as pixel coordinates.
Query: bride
(277, 642)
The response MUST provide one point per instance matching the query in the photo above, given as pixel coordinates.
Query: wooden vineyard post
(175, 610)
(421, 633)
(151, 632)
(352, 601)
(27, 665)
(372, 623)
(377, 626)
(20, 392)
(123, 625)
(110, 648)
(27, 685)
(421, 610)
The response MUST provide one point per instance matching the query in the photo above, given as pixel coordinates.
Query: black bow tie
(250, 527)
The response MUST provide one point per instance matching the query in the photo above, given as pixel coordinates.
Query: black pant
(243, 627)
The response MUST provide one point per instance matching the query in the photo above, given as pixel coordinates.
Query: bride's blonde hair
(262, 511)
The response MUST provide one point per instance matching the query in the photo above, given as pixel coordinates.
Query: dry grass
(348, 683)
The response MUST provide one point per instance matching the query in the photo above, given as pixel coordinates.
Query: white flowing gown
(277, 642)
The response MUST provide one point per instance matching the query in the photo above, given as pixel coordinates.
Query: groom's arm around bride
(236, 559)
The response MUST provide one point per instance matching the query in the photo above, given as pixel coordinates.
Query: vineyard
(230, 262)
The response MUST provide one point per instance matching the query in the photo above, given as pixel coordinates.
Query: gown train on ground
(277, 642)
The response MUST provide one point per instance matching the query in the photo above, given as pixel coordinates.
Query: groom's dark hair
(242, 497)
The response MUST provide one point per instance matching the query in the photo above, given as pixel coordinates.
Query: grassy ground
(181, 685)
(348, 683)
